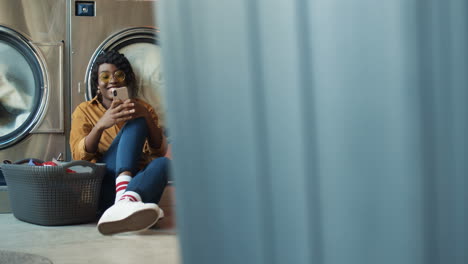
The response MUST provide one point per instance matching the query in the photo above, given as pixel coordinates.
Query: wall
(320, 131)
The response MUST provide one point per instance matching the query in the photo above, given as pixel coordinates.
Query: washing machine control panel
(84, 8)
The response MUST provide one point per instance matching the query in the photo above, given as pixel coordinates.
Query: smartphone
(120, 93)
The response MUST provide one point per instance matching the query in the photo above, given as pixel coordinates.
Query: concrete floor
(77, 244)
(84, 244)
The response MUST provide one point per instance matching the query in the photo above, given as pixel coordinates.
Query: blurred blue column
(324, 131)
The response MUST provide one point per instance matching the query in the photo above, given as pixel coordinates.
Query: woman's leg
(127, 147)
(150, 182)
(123, 155)
(138, 209)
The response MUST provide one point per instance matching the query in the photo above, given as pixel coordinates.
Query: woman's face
(109, 76)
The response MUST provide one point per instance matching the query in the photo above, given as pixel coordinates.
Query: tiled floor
(77, 244)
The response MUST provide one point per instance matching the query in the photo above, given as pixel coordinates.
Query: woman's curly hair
(121, 62)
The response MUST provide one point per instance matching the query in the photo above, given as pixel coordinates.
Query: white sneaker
(126, 216)
(161, 216)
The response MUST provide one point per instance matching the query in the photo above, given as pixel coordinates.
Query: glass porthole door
(141, 47)
(22, 87)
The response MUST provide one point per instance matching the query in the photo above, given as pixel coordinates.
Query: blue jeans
(123, 155)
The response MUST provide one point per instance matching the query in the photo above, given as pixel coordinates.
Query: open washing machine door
(141, 47)
(23, 87)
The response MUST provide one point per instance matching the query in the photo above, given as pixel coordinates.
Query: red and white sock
(121, 183)
(131, 196)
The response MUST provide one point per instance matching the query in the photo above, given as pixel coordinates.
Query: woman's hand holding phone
(141, 110)
(119, 111)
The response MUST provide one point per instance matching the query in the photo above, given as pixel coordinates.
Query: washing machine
(128, 26)
(32, 77)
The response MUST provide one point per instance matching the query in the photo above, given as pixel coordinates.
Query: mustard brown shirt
(85, 117)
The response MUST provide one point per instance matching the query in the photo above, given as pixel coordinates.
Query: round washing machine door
(23, 83)
(140, 46)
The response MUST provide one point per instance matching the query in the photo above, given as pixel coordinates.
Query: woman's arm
(81, 126)
(118, 112)
(93, 138)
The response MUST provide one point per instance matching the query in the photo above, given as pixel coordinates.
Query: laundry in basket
(33, 162)
(49, 195)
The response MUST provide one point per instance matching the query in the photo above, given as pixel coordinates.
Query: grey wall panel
(450, 94)
(222, 178)
(279, 62)
(318, 131)
(368, 132)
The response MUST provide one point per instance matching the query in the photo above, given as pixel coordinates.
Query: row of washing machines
(47, 48)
